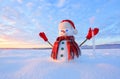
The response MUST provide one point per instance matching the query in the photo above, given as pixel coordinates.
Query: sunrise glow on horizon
(4, 43)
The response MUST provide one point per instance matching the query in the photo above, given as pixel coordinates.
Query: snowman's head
(67, 28)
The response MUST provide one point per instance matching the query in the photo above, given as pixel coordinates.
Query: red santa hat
(71, 23)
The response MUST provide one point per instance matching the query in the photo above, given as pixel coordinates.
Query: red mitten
(43, 36)
(89, 35)
(95, 31)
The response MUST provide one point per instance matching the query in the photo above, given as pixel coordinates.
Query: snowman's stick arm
(88, 37)
(50, 43)
(83, 42)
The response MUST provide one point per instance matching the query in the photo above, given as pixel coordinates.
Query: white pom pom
(75, 31)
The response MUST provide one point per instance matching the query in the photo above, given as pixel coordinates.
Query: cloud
(61, 3)
(110, 31)
(9, 15)
(29, 5)
(76, 6)
(8, 20)
(6, 39)
(18, 26)
(2, 39)
(20, 1)
(111, 26)
(8, 30)
(97, 10)
(12, 33)
(92, 20)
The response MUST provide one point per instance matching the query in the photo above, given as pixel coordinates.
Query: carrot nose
(63, 31)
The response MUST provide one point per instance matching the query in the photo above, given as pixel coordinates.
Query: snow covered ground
(37, 64)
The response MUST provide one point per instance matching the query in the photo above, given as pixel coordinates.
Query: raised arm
(91, 33)
(43, 36)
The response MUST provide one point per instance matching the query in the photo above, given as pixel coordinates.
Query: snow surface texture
(37, 64)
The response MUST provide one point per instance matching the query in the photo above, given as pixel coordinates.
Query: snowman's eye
(66, 30)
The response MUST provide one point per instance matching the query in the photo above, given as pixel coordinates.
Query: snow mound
(37, 64)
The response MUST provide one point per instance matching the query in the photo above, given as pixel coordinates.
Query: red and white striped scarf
(72, 47)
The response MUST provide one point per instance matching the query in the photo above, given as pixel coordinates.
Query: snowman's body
(62, 51)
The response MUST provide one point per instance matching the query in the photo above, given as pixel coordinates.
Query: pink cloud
(8, 20)
(92, 20)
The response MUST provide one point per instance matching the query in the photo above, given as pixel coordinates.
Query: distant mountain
(103, 46)
(117, 42)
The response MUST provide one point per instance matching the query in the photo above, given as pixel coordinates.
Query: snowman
(65, 48)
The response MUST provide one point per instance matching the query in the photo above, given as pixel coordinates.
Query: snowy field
(37, 64)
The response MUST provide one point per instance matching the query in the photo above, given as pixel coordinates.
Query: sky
(22, 20)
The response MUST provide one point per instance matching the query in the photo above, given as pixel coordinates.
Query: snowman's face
(65, 29)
